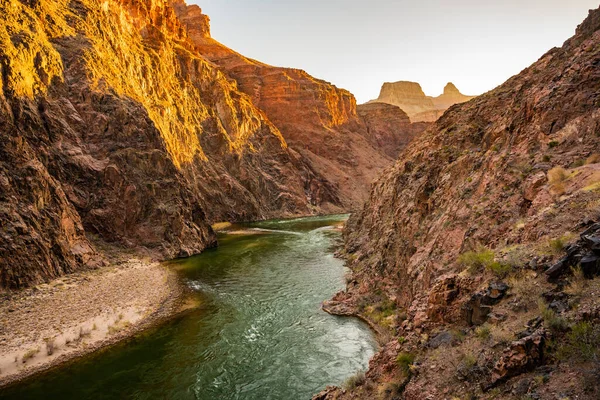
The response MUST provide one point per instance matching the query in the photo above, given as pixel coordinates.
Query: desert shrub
(483, 332)
(578, 282)
(557, 246)
(551, 320)
(405, 362)
(29, 354)
(467, 361)
(557, 174)
(553, 144)
(483, 258)
(50, 346)
(355, 381)
(582, 342)
(557, 177)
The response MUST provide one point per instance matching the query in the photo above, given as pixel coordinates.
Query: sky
(358, 45)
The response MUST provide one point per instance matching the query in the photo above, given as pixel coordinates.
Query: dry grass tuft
(593, 159)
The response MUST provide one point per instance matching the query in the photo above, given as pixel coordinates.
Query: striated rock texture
(495, 189)
(411, 99)
(318, 120)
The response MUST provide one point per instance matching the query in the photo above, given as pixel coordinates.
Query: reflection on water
(258, 332)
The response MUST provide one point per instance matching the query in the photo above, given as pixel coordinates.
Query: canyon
(129, 136)
(125, 123)
(409, 96)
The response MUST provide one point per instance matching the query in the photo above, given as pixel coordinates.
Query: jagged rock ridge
(318, 120)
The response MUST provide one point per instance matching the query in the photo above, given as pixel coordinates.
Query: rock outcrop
(122, 119)
(409, 96)
(465, 181)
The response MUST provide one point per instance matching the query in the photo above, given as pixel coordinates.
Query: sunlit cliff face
(137, 49)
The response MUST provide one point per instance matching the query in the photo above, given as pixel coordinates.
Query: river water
(257, 332)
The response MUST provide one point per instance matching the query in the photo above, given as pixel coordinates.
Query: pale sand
(77, 314)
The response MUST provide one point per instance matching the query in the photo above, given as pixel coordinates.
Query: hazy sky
(358, 45)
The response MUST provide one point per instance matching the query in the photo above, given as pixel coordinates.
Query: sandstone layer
(463, 251)
(409, 96)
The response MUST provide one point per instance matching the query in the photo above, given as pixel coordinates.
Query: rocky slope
(318, 120)
(409, 96)
(463, 252)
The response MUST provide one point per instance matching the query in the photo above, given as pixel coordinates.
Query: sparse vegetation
(557, 177)
(50, 346)
(552, 144)
(405, 361)
(483, 258)
(577, 284)
(355, 381)
(557, 246)
(593, 159)
(29, 354)
(551, 320)
(483, 332)
(467, 361)
(583, 342)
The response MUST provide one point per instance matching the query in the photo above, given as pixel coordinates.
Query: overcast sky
(358, 45)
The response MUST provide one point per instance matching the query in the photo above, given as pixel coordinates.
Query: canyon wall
(124, 122)
(479, 172)
(476, 256)
(318, 120)
(409, 96)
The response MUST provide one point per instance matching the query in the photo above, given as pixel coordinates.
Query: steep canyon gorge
(125, 121)
(128, 134)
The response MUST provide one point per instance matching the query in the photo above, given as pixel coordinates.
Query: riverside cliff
(477, 255)
(120, 125)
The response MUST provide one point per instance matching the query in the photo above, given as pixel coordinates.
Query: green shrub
(553, 144)
(551, 320)
(355, 381)
(483, 332)
(405, 362)
(483, 258)
(583, 342)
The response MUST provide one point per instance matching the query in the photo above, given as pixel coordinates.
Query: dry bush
(556, 177)
(50, 346)
(593, 159)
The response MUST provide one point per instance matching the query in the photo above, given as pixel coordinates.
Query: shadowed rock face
(411, 99)
(388, 127)
(120, 119)
(481, 168)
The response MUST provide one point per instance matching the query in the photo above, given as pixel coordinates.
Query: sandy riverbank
(53, 323)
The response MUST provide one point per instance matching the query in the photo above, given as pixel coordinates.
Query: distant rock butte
(409, 96)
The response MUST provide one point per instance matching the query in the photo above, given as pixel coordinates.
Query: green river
(257, 333)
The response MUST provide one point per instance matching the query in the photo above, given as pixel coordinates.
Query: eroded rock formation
(409, 96)
(318, 120)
